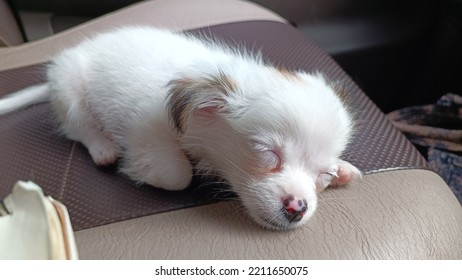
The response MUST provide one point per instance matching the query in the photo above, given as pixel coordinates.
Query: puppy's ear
(204, 96)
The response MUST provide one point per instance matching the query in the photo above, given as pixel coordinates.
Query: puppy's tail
(23, 98)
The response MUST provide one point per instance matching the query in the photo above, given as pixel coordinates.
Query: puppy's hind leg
(153, 156)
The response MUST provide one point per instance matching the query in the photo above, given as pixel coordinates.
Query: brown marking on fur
(222, 83)
(178, 102)
(287, 73)
(187, 94)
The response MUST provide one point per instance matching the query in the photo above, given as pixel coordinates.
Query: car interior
(388, 54)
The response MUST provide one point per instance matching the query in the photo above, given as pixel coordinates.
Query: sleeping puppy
(160, 101)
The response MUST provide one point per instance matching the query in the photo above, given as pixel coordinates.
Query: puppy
(160, 100)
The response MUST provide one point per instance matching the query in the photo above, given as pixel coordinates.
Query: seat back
(10, 35)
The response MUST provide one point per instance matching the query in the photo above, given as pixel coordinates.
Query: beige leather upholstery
(171, 14)
(397, 215)
(9, 30)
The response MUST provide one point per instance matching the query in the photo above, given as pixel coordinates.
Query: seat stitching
(66, 172)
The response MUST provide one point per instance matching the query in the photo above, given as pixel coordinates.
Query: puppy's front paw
(346, 172)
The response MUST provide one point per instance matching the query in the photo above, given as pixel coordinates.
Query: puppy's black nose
(294, 208)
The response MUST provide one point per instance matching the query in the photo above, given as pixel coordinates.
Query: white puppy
(160, 100)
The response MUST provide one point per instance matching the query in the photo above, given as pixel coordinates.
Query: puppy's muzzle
(294, 208)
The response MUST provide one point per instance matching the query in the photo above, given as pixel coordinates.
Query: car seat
(400, 209)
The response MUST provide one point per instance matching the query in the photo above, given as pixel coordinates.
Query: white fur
(269, 134)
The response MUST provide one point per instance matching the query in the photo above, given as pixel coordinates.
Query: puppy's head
(275, 136)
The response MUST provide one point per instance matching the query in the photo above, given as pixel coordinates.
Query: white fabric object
(35, 227)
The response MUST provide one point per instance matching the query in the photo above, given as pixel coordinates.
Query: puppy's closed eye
(270, 159)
